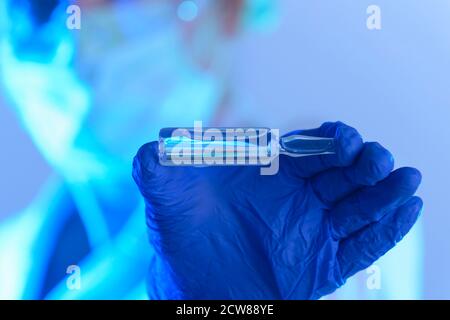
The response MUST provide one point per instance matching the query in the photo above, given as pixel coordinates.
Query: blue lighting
(187, 11)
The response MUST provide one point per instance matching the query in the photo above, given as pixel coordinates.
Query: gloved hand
(231, 233)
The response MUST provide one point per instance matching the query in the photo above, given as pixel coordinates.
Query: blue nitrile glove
(231, 233)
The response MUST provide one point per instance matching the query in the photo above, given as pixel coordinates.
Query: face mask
(140, 77)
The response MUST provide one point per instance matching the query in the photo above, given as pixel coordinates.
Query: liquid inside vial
(215, 146)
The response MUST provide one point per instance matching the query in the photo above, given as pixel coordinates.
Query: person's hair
(38, 11)
(27, 34)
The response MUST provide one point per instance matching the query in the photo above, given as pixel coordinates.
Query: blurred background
(292, 64)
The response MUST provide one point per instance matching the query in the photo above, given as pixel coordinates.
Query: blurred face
(138, 65)
(202, 24)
